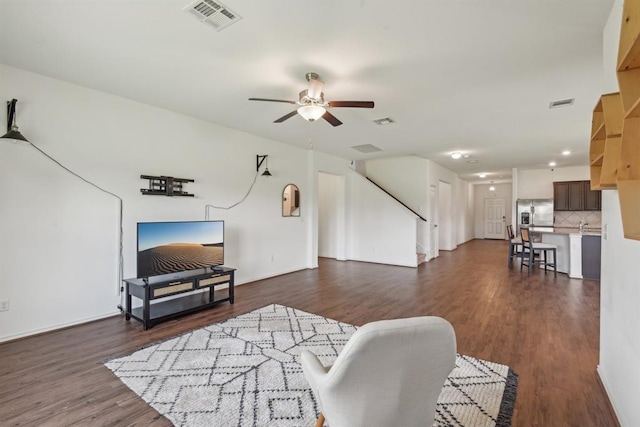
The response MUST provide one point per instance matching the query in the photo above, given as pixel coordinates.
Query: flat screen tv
(169, 247)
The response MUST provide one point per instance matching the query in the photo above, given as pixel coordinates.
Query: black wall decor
(165, 186)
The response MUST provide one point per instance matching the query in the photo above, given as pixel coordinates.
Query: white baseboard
(269, 276)
(607, 390)
(58, 326)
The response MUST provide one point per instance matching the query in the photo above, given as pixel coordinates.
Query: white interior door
(494, 218)
(433, 223)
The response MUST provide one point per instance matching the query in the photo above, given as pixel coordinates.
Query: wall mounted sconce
(259, 160)
(492, 187)
(12, 129)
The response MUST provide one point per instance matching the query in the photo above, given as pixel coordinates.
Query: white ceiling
(474, 76)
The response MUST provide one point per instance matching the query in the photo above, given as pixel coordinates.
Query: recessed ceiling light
(482, 175)
(456, 155)
(552, 163)
(472, 161)
(466, 156)
(566, 152)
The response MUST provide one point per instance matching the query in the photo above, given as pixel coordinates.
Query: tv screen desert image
(169, 247)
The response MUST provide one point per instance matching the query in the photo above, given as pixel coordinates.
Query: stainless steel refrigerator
(534, 212)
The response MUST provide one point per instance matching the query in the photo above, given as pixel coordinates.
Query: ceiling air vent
(213, 13)
(562, 103)
(384, 121)
(366, 148)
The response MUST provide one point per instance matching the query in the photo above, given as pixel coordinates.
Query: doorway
(494, 218)
(331, 216)
(444, 216)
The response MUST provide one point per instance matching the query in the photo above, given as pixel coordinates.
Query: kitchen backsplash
(573, 218)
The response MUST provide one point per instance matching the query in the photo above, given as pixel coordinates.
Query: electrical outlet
(4, 305)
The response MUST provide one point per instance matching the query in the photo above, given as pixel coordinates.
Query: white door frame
(433, 223)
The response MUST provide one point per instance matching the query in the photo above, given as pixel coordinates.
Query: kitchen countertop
(588, 231)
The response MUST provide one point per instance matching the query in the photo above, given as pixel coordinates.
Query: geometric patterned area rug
(245, 371)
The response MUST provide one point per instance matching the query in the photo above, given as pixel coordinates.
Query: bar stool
(514, 242)
(534, 247)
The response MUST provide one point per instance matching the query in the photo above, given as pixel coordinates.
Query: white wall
(619, 366)
(59, 252)
(381, 229)
(376, 227)
(538, 183)
(409, 186)
(482, 192)
(412, 187)
(404, 177)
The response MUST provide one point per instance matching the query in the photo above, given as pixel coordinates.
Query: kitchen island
(570, 247)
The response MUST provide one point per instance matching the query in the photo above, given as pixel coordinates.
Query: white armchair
(390, 373)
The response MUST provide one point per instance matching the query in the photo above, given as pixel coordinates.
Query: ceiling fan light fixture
(311, 113)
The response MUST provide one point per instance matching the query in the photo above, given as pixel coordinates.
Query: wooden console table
(170, 285)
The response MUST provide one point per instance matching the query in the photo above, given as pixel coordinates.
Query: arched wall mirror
(291, 200)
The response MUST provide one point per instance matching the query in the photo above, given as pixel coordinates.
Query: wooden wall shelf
(629, 194)
(606, 130)
(628, 170)
(629, 47)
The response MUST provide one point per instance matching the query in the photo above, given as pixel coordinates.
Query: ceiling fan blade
(356, 104)
(331, 119)
(285, 117)
(272, 100)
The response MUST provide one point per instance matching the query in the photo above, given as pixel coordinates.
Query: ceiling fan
(312, 103)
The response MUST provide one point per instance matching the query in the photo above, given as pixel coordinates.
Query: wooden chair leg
(320, 421)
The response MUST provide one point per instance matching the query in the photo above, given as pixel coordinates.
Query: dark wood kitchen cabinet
(592, 198)
(560, 196)
(575, 196)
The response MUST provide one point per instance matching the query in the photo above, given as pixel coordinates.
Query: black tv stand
(186, 284)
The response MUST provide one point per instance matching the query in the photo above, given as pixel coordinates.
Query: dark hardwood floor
(546, 329)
